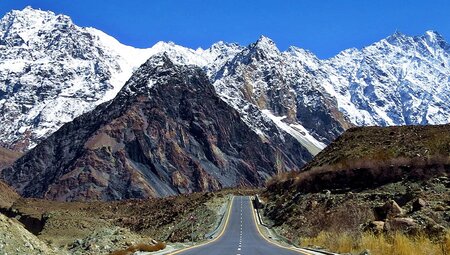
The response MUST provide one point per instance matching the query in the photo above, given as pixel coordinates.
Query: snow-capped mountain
(396, 81)
(265, 86)
(400, 80)
(52, 71)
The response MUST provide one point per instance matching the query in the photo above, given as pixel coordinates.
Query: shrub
(140, 247)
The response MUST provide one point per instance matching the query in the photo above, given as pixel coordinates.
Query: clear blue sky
(323, 27)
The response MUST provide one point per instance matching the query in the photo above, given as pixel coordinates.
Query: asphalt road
(241, 236)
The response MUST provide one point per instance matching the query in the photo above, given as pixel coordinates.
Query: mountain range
(166, 132)
(53, 71)
(188, 120)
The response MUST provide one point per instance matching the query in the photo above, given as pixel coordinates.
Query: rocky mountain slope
(372, 156)
(378, 144)
(15, 239)
(158, 137)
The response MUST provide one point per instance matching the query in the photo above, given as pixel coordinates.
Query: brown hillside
(372, 156)
(8, 195)
(7, 157)
(381, 143)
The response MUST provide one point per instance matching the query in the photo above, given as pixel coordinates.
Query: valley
(233, 149)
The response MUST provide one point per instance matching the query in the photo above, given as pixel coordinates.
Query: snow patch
(298, 132)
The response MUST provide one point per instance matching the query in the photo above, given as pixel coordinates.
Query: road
(241, 236)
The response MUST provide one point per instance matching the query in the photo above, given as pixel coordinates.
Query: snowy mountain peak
(265, 44)
(31, 14)
(24, 24)
(222, 47)
(158, 60)
(396, 38)
(155, 70)
(430, 39)
(51, 71)
(434, 36)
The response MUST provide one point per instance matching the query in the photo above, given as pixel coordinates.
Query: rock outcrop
(15, 239)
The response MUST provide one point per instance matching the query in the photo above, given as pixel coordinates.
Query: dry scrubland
(386, 190)
(117, 228)
(395, 244)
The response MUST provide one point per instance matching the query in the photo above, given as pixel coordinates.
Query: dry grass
(140, 247)
(397, 244)
(361, 174)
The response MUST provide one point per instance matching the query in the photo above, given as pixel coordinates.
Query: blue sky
(323, 27)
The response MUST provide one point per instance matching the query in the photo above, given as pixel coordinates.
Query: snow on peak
(28, 22)
(436, 40)
(306, 58)
(266, 44)
(220, 48)
(30, 13)
(434, 36)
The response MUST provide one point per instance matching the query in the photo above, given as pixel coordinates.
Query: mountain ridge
(291, 93)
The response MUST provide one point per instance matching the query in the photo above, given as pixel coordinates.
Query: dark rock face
(167, 132)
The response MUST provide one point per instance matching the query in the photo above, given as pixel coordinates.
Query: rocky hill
(375, 179)
(375, 155)
(167, 132)
(15, 239)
